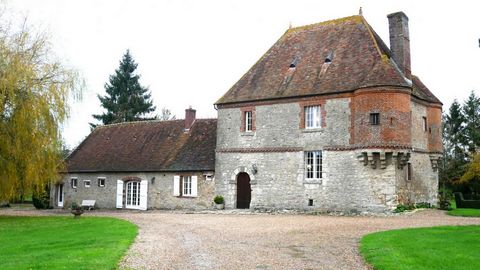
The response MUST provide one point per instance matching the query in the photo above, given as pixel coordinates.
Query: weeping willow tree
(34, 89)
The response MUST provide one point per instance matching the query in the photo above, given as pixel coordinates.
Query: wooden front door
(244, 191)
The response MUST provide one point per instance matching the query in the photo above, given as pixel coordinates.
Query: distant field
(446, 247)
(63, 242)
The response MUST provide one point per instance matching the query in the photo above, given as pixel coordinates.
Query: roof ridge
(136, 122)
(338, 20)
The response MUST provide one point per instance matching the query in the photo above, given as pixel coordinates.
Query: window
(425, 127)
(313, 164)
(375, 119)
(409, 171)
(101, 181)
(73, 182)
(86, 183)
(248, 121)
(187, 186)
(312, 116)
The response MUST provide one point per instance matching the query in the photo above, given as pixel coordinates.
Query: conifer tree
(471, 112)
(126, 100)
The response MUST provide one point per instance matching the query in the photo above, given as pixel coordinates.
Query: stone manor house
(329, 118)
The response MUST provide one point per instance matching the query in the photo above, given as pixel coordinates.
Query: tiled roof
(359, 58)
(147, 146)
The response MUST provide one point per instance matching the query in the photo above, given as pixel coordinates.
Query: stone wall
(160, 191)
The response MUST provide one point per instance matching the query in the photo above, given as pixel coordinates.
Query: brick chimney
(400, 42)
(189, 118)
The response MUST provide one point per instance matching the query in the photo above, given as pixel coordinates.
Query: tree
(34, 89)
(471, 112)
(126, 100)
(166, 115)
(472, 174)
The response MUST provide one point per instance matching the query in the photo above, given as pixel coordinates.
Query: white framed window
(187, 186)
(248, 121)
(313, 164)
(73, 182)
(86, 183)
(101, 181)
(312, 116)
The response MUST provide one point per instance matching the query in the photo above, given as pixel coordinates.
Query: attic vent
(294, 63)
(329, 57)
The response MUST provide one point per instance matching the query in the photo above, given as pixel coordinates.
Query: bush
(76, 206)
(41, 200)
(218, 199)
(404, 207)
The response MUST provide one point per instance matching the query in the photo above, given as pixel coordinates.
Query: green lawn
(446, 247)
(465, 212)
(63, 242)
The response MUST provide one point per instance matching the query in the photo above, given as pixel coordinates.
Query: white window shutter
(176, 185)
(194, 186)
(119, 194)
(143, 194)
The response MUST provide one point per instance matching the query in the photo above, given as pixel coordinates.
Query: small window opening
(409, 171)
(292, 65)
(375, 119)
(425, 127)
(391, 120)
(310, 202)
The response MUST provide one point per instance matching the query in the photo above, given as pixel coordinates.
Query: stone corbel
(435, 159)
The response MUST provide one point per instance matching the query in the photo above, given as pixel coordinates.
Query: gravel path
(174, 240)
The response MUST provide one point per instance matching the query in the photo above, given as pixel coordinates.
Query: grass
(63, 242)
(446, 247)
(465, 212)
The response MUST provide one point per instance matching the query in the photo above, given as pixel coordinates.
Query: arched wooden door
(244, 191)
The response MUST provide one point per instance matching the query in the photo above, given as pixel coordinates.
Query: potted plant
(219, 202)
(77, 210)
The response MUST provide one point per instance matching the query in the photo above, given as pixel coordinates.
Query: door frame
(60, 198)
(248, 186)
(127, 193)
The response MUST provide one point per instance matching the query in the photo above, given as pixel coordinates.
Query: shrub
(41, 200)
(404, 207)
(218, 199)
(76, 206)
(423, 205)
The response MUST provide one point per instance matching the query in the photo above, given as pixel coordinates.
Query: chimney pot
(189, 118)
(400, 42)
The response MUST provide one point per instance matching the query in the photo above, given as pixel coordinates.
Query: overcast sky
(190, 52)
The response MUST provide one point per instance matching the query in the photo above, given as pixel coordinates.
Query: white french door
(132, 195)
(60, 195)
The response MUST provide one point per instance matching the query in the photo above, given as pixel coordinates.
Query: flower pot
(77, 213)
(219, 206)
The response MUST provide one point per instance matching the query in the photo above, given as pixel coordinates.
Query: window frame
(186, 186)
(85, 183)
(74, 180)
(312, 116)
(100, 180)
(375, 119)
(248, 116)
(314, 172)
(425, 123)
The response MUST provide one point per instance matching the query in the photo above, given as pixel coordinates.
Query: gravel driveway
(174, 240)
